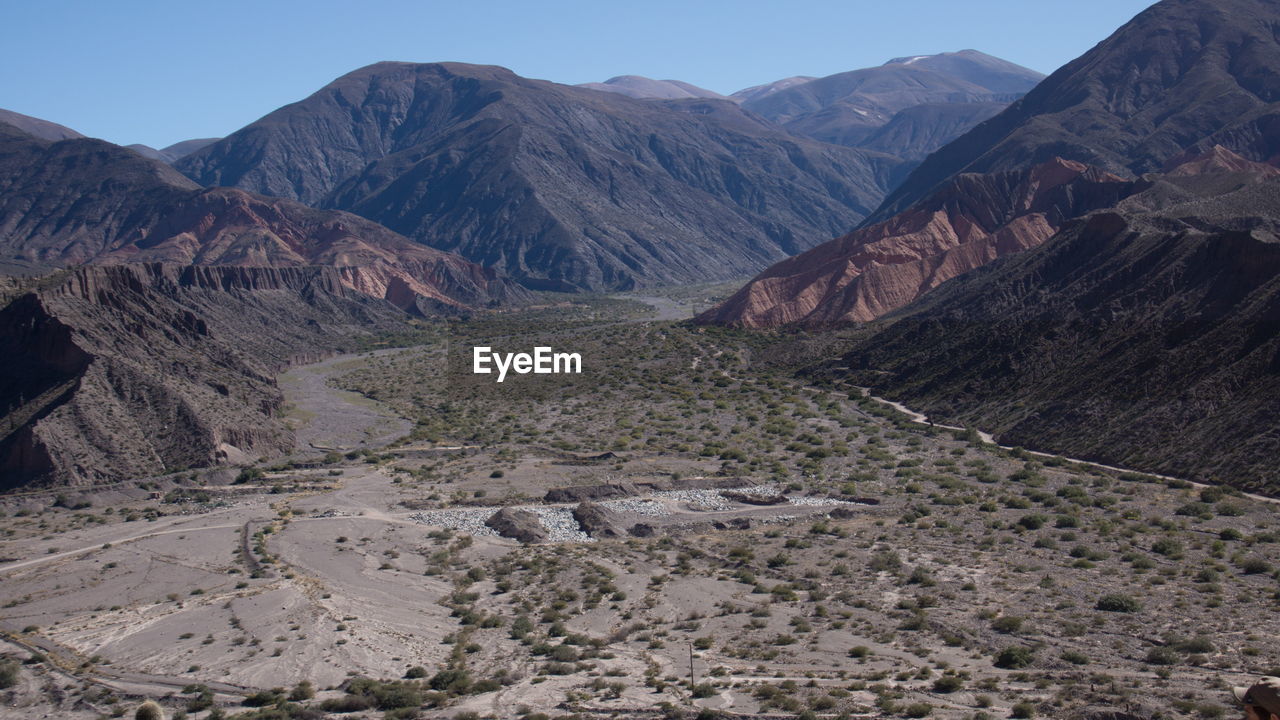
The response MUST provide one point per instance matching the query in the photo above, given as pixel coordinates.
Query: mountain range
(1182, 74)
(1136, 322)
(563, 188)
(82, 201)
(943, 95)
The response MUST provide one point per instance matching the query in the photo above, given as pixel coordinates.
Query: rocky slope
(561, 187)
(87, 201)
(1184, 74)
(849, 108)
(869, 272)
(1146, 336)
(110, 373)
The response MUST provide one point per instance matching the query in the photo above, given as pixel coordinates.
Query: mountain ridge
(563, 188)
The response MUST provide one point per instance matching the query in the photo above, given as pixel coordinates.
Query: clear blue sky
(142, 71)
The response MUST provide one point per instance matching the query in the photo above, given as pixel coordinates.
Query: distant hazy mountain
(36, 126)
(1183, 74)
(637, 86)
(174, 152)
(849, 108)
(562, 187)
(756, 92)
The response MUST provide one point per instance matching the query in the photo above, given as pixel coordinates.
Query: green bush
(947, 684)
(1023, 710)
(149, 710)
(917, 710)
(1014, 657)
(1007, 624)
(1075, 658)
(1118, 603)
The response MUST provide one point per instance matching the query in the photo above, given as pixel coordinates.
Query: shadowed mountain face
(1147, 336)
(872, 271)
(562, 187)
(1183, 74)
(87, 201)
(850, 108)
(109, 373)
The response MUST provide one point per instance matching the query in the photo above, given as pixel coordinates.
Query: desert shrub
(1014, 657)
(149, 710)
(451, 680)
(1117, 603)
(346, 704)
(703, 690)
(1196, 510)
(394, 695)
(947, 684)
(1023, 710)
(1162, 656)
(1075, 658)
(1167, 547)
(263, 698)
(8, 674)
(1007, 624)
(1198, 644)
(917, 710)
(1032, 522)
(1255, 566)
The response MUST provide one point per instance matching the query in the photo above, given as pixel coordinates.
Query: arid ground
(763, 542)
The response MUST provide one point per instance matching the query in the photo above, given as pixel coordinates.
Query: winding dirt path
(922, 419)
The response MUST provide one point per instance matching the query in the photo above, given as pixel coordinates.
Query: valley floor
(910, 572)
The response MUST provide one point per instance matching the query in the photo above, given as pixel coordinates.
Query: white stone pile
(559, 522)
(818, 501)
(652, 508)
(467, 521)
(560, 525)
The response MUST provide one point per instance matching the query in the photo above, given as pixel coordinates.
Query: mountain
(35, 126)
(174, 152)
(973, 220)
(1183, 74)
(111, 373)
(87, 201)
(1146, 336)
(641, 87)
(848, 108)
(756, 92)
(561, 187)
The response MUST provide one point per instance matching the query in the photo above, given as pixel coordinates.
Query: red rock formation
(1217, 159)
(232, 227)
(869, 272)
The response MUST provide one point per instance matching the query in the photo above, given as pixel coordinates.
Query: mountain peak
(1182, 74)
